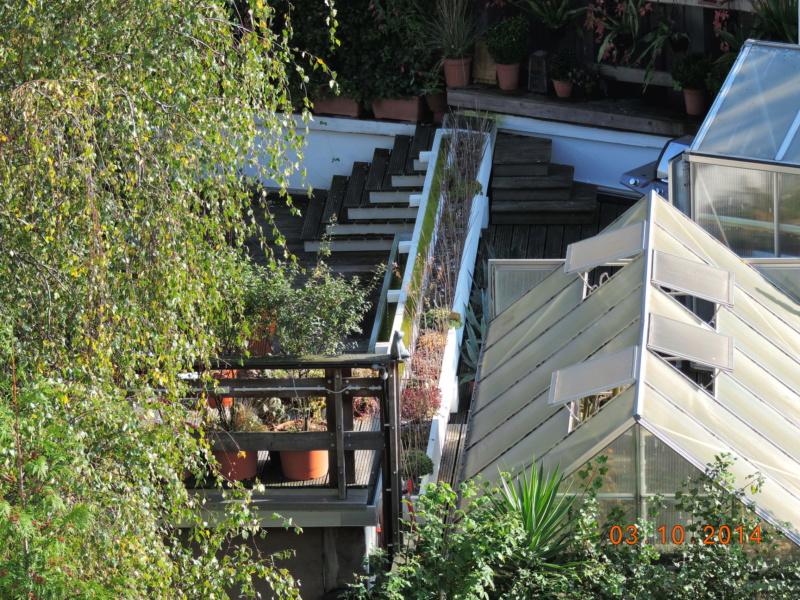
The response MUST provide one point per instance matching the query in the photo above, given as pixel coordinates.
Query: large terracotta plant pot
(237, 465)
(398, 110)
(507, 76)
(437, 102)
(302, 465)
(695, 101)
(338, 106)
(563, 88)
(457, 71)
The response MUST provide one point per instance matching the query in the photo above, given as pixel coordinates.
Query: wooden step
(355, 245)
(422, 142)
(557, 176)
(369, 228)
(355, 189)
(377, 169)
(400, 150)
(579, 208)
(335, 198)
(408, 181)
(520, 170)
(313, 218)
(392, 196)
(521, 149)
(380, 212)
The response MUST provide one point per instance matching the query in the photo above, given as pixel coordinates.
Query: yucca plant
(451, 31)
(542, 509)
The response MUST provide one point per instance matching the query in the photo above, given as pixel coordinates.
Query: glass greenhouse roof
(757, 113)
(544, 382)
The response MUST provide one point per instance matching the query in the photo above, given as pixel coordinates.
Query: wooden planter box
(398, 110)
(338, 106)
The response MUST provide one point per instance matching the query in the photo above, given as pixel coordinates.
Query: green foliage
(656, 40)
(716, 75)
(561, 64)
(775, 20)
(450, 31)
(455, 552)
(416, 464)
(124, 128)
(311, 317)
(537, 501)
(555, 14)
(474, 334)
(689, 72)
(440, 319)
(618, 28)
(507, 42)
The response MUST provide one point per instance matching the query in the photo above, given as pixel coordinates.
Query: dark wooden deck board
(377, 169)
(400, 150)
(314, 207)
(355, 189)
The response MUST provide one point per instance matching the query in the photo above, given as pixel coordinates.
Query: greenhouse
(744, 163)
(655, 345)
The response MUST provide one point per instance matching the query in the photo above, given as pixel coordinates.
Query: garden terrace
(629, 114)
(357, 490)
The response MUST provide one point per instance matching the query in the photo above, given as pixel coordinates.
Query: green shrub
(507, 42)
(561, 64)
(416, 464)
(689, 72)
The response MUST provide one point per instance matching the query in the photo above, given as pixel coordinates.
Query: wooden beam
(297, 440)
(338, 400)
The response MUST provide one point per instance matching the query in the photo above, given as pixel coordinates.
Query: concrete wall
(324, 559)
(334, 144)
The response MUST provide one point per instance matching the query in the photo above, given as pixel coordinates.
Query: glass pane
(512, 279)
(789, 215)
(786, 278)
(755, 117)
(664, 469)
(736, 206)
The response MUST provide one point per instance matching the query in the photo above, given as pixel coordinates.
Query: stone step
(369, 228)
(408, 181)
(380, 212)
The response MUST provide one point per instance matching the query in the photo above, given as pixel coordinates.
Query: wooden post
(347, 422)
(341, 474)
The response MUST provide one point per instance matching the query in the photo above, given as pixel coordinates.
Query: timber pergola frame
(338, 387)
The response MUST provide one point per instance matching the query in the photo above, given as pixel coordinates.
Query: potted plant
(235, 465)
(556, 15)
(507, 43)
(302, 465)
(663, 35)
(415, 465)
(689, 74)
(561, 65)
(617, 25)
(451, 33)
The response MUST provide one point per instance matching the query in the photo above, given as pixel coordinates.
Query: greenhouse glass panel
(592, 376)
(736, 206)
(756, 117)
(786, 277)
(694, 343)
(693, 277)
(664, 469)
(605, 247)
(510, 279)
(789, 222)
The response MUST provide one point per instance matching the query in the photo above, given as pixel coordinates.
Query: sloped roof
(757, 113)
(753, 413)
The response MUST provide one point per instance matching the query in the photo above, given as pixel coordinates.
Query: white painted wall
(600, 156)
(334, 144)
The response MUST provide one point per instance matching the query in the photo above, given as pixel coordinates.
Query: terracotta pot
(235, 467)
(695, 101)
(437, 103)
(338, 106)
(302, 465)
(226, 401)
(457, 71)
(398, 110)
(507, 76)
(563, 88)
